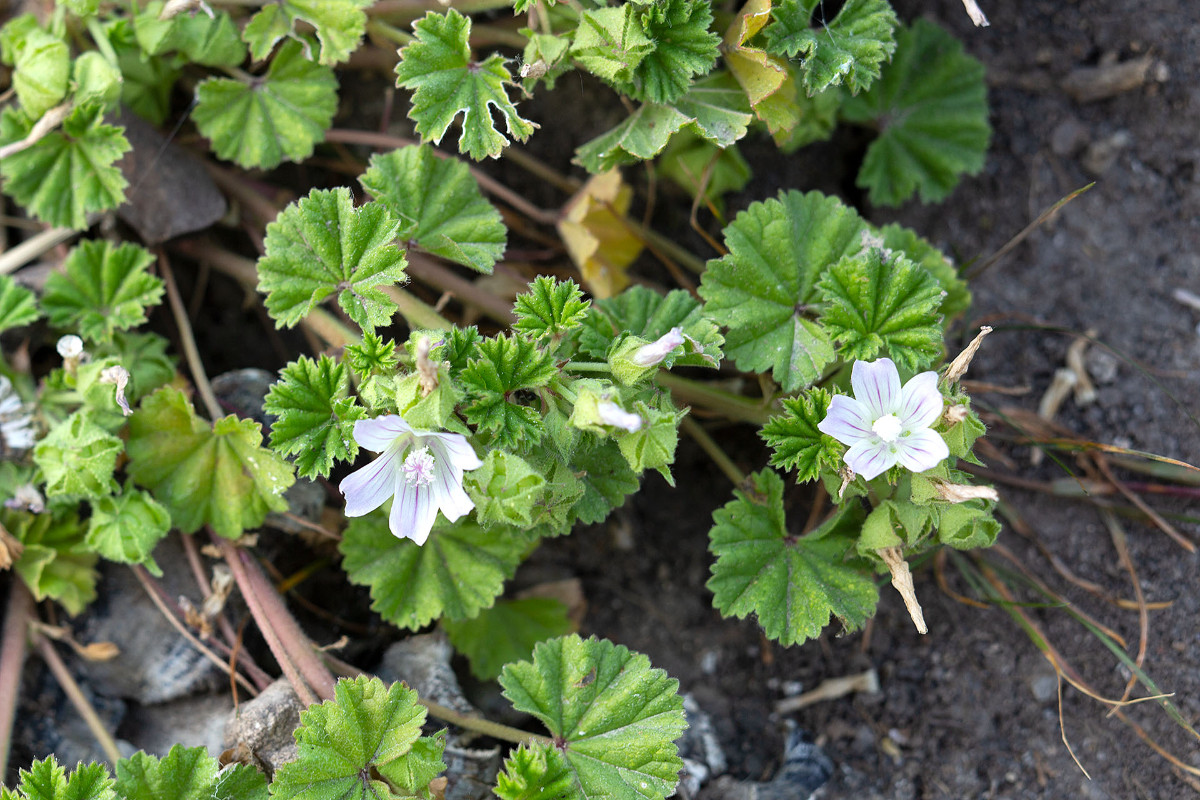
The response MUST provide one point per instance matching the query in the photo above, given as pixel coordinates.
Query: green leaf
(507, 632)
(46, 780)
(718, 109)
(445, 83)
(765, 290)
(683, 46)
(846, 50)
(17, 304)
(218, 475)
(104, 288)
(967, 526)
(314, 415)
(931, 107)
(96, 80)
(550, 308)
(372, 355)
(69, 172)
(340, 25)
(958, 296)
(610, 43)
(536, 772)
(793, 583)
(695, 164)
(880, 302)
(147, 81)
(505, 489)
(439, 205)
(616, 716)
(322, 245)
(653, 445)
(187, 773)
(83, 8)
(77, 459)
(643, 312)
(41, 72)
(281, 115)
(212, 41)
(506, 365)
(795, 439)
(607, 479)
(127, 527)
(367, 732)
(458, 572)
(54, 564)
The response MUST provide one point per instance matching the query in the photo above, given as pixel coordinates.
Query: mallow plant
(452, 451)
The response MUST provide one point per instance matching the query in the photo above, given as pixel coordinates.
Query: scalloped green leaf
(506, 365)
(219, 474)
(506, 632)
(610, 42)
(46, 780)
(126, 528)
(77, 459)
(797, 442)
(607, 479)
(457, 573)
(445, 82)
(550, 308)
(505, 489)
(187, 773)
(683, 46)
(282, 115)
(793, 583)
(931, 107)
(958, 296)
(849, 49)
(41, 71)
(340, 25)
(877, 302)
(69, 172)
(323, 245)
(439, 205)
(147, 81)
(54, 564)
(642, 312)
(365, 744)
(103, 288)
(314, 414)
(613, 716)
(536, 772)
(17, 304)
(765, 290)
(211, 39)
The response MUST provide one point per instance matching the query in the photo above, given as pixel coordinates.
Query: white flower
(885, 424)
(654, 353)
(422, 470)
(16, 427)
(612, 414)
(70, 346)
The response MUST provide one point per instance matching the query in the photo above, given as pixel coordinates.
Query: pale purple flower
(612, 414)
(654, 353)
(422, 470)
(886, 424)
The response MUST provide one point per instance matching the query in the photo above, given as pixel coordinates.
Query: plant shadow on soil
(963, 712)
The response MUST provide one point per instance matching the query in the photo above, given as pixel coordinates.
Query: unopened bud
(26, 498)
(958, 367)
(956, 414)
(174, 8)
(70, 346)
(654, 353)
(612, 414)
(427, 372)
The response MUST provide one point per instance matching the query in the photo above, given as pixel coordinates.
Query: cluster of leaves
(617, 739)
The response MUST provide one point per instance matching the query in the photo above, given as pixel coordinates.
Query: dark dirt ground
(969, 711)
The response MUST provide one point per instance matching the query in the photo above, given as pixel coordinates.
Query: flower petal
(654, 353)
(870, 458)
(413, 512)
(376, 434)
(366, 489)
(613, 415)
(449, 495)
(454, 449)
(920, 402)
(848, 420)
(877, 385)
(921, 450)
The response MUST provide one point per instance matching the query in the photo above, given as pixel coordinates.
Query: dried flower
(886, 424)
(422, 470)
(26, 497)
(119, 376)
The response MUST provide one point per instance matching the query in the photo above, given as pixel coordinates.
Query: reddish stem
(12, 659)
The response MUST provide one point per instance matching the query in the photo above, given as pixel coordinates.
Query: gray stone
(423, 662)
(260, 731)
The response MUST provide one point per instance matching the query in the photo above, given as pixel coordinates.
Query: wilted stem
(12, 657)
(190, 352)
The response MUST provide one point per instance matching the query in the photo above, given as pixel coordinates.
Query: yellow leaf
(598, 237)
(769, 81)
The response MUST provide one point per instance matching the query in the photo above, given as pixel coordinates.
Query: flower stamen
(418, 467)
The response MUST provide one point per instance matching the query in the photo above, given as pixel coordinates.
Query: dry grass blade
(1008, 247)
(1122, 546)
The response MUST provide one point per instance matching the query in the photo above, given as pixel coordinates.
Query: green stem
(587, 366)
(390, 33)
(102, 43)
(728, 404)
(484, 726)
(714, 450)
(190, 351)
